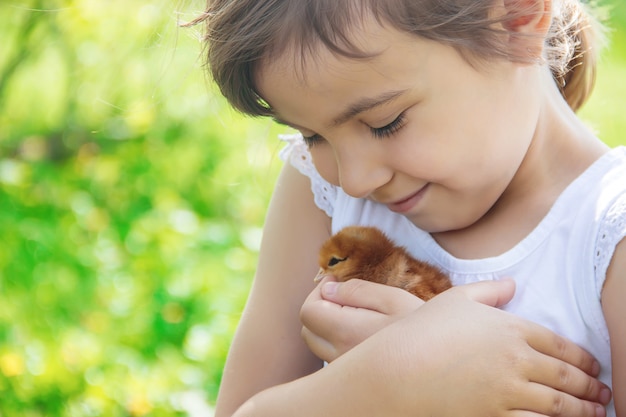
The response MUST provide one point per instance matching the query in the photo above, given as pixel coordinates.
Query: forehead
(320, 70)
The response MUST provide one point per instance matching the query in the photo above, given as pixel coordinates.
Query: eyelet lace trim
(297, 154)
(612, 230)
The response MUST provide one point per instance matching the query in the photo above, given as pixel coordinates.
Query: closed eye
(378, 132)
(312, 140)
(390, 129)
(309, 140)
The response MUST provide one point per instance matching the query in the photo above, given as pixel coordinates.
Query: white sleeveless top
(559, 268)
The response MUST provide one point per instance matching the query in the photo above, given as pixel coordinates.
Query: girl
(450, 125)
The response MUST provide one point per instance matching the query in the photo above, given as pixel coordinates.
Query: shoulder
(296, 153)
(293, 203)
(614, 309)
(294, 230)
(610, 212)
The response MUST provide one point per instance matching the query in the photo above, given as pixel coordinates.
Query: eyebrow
(354, 109)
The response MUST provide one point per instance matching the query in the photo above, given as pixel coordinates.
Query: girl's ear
(527, 22)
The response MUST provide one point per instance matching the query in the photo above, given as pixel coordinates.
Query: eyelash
(312, 140)
(390, 129)
(378, 132)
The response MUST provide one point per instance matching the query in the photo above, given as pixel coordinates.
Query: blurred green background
(131, 206)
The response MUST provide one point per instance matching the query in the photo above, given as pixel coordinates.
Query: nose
(362, 169)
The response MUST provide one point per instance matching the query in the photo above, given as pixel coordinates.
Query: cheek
(325, 163)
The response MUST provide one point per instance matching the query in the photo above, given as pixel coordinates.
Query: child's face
(416, 127)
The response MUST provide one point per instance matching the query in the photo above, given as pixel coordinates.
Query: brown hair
(241, 34)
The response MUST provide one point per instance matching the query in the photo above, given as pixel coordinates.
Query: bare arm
(614, 307)
(267, 349)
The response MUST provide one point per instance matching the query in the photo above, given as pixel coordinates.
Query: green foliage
(131, 202)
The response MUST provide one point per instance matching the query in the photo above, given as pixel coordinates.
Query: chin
(437, 224)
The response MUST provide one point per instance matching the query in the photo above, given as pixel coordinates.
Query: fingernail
(605, 395)
(329, 288)
(600, 411)
(595, 368)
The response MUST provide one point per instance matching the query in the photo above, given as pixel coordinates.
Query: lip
(407, 203)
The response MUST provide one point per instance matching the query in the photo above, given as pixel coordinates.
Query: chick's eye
(334, 261)
(389, 129)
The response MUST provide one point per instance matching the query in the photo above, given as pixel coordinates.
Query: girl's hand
(499, 363)
(455, 355)
(338, 316)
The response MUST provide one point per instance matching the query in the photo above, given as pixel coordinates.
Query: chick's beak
(320, 275)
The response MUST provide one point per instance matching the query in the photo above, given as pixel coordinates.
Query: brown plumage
(366, 253)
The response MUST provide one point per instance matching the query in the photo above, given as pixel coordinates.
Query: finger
(538, 398)
(564, 365)
(317, 312)
(569, 379)
(523, 413)
(315, 296)
(551, 344)
(343, 325)
(319, 346)
(371, 296)
(491, 293)
(582, 413)
(587, 410)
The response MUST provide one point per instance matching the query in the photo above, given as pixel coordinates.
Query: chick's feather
(367, 253)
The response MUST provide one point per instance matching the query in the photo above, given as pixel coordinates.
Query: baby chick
(366, 253)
